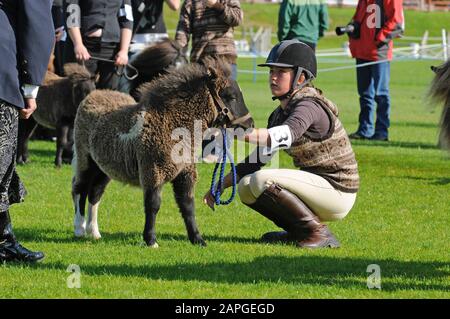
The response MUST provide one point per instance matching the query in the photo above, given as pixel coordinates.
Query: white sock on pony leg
(79, 221)
(92, 227)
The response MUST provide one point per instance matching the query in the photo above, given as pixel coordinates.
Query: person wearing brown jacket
(211, 24)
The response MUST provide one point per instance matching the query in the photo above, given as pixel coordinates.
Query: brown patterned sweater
(211, 28)
(318, 148)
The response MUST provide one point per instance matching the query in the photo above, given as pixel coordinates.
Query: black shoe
(357, 136)
(13, 251)
(10, 249)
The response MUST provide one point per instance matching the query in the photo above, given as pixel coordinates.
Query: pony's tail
(438, 93)
(444, 135)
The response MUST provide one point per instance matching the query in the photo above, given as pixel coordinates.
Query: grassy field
(400, 221)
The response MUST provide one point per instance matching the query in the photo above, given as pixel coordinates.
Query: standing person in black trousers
(60, 36)
(102, 29)
(26, 41)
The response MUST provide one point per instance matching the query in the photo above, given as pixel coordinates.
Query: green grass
(400, 221)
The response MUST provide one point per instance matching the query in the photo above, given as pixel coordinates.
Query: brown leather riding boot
(287, 211)
(267, 205)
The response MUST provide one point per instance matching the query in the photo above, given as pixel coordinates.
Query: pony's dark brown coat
(116, 138)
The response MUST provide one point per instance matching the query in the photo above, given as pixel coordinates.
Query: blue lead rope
(215, 192)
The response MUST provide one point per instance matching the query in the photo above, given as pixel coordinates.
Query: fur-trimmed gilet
(332, 156)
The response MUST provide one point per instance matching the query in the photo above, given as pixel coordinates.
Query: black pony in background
(152, 62)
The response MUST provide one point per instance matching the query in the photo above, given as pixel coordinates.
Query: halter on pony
(223, 116)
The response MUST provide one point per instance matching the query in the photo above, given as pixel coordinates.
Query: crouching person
(306, 124)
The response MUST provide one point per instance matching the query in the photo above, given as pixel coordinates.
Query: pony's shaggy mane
(184, 82)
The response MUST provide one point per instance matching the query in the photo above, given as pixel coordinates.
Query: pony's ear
(210, 64)
(216, 68)
(440, 68)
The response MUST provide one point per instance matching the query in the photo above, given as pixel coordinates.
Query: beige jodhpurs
(321, 197)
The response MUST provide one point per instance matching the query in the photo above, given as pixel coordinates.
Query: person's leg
(108, 79)
(294, 201)
(366, 93)
(310, 188)
(244, 191)
(59, 58)
(11, 188)
(381, 75)
(266, 206)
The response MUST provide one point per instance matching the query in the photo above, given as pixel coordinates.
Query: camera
(347, 29)
(352, 29)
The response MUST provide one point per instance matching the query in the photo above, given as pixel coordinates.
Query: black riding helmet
(293, 54)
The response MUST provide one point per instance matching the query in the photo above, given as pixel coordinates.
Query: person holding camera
(303, 20)
(371, 31)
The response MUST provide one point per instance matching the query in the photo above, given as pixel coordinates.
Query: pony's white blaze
(92, 227)
(135, 131)
(79, 222)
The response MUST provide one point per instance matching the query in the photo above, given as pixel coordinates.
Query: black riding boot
(10, 249)
(287, 211)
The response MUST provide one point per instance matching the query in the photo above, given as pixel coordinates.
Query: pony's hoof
(154, 245)
(22, 161)
(80, 233)
(93, 233)
(96, 236)
(199, 242)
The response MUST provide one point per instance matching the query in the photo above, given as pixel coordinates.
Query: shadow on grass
(430, 180)
(413, 145)
(129, 238)
(415, 124)
(345, 272)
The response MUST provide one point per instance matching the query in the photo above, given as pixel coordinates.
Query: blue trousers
(373, 87)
